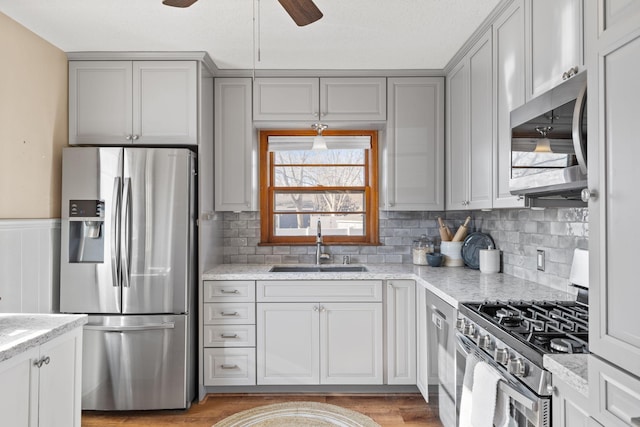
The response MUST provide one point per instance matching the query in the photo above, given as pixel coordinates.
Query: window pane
(310, 176)
(334, 201)
(305, 224)
(320, 157)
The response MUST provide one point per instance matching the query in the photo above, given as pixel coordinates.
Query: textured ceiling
(353, 34)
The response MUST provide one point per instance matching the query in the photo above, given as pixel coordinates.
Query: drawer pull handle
(224, 291)
(228, 335)
(223, 366)
(228, 314)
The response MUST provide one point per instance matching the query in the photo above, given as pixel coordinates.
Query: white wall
(29, 266)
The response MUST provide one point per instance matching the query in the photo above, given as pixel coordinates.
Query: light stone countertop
(20, 332)
(452, 284)
(570, 368)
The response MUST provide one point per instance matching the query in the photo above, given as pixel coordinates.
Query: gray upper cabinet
(326, 99)
(133, 102)
(234, 146)
(470, 125)
(286, 98)
(509, 78)
(555, 42)
(413, 178)
(613, 60)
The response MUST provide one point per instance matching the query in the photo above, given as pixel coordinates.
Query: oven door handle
(503, 385)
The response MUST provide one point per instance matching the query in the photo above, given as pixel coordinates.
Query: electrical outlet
(540, 260)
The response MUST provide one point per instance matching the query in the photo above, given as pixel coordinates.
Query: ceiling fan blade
(178, 3)
(303, 12)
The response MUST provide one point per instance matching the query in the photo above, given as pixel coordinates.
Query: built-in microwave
(549, 143)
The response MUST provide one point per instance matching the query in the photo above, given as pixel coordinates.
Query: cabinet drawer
(614, 395)
(229, 290)
(230, 313)
(230, 336)
(319, 290)
(229, 366)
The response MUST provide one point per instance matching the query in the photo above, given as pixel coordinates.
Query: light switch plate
(540, 260)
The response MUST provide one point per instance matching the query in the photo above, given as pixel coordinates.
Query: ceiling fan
(303, 12)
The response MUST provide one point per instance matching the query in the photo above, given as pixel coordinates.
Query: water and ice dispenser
(86, 231)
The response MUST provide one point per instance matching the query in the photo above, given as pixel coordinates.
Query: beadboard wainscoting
(519, 233)
(29, 266)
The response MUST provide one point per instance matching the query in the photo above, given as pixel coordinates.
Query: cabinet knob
(135, 137)
(570, 73)
(587, 195)
(315, 308)
(128, 137)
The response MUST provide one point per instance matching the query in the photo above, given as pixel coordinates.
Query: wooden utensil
(462, 231)
(445, 233)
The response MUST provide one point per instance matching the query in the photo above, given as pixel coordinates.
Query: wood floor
(387, 410)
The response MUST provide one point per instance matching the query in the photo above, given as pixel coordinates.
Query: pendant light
(318, 141)
(543, 145)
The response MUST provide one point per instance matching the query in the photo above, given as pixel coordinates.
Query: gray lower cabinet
(412, 176)
(235, 146)
(312, 332)
(400, 330)
(569, 408)
(229, 333)
(133, 102)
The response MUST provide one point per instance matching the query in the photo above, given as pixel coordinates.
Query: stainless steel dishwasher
(443, 317)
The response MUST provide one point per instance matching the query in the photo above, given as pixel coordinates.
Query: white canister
(452, 252)
(489, 261)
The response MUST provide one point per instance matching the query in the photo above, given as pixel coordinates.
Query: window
(300, 186)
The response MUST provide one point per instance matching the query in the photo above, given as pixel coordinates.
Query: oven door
(525, 408)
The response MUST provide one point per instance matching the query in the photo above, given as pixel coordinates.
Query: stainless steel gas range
(512, 337)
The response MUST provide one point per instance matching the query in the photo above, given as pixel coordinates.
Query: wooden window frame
(370, 235)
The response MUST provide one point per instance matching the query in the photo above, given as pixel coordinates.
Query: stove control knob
(469, 329)
(518, 367)
(484, 341)
(460, 323)
(501, 356)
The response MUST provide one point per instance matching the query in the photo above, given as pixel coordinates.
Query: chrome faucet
(319, 243)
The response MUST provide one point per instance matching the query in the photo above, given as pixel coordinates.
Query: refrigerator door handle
(147, 327)
(115, 231)
(125, 254)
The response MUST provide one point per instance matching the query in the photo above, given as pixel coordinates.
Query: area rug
(297, 414)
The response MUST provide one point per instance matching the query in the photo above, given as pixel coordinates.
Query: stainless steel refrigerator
(128, 260)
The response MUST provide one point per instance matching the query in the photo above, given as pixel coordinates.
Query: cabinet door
(413, 178)
(424, 362)
(555, 29)
(61, 381)
(614, 88)
(286, 99)
(481, 124)
(614, 395)
(569, 408)
(165, 101)
(350, 343)
(287, 343)
(100, 105)
(458, 165)
(234, 146)
(19, 390)
(400, 332)
(362, 98)
(509, 75)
